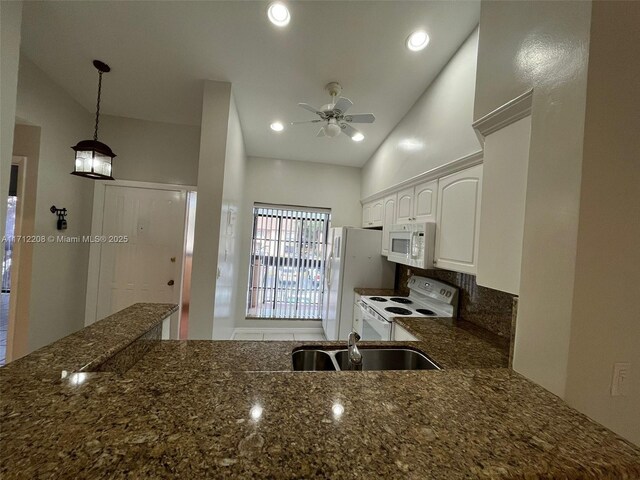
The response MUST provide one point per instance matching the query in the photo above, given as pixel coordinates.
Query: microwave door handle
(412, 245)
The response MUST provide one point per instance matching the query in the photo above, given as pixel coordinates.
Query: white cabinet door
(376, 213)
(402, 335)
(424, 201)
(458, 220)
(506, 160)
(372, 214)
(366, 215)
(404, 212)
(388, 219)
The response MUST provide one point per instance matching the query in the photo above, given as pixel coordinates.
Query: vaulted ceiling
(160, 52)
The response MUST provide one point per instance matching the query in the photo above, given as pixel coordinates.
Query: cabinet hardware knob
(173, 259)
(170, 283)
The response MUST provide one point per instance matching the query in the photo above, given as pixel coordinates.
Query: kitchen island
(199, 409)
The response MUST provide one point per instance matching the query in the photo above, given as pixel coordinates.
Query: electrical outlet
(620, 379)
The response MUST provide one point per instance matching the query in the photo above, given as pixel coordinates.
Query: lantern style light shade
(94, 159)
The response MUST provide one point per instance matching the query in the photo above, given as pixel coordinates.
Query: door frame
(95, 249)
(21, 162)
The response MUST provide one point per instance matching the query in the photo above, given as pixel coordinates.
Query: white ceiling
(160, 51)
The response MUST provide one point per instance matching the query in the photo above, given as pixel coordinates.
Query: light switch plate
(620, 379)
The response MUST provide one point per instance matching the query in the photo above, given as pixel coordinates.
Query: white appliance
(412, 244)
(353, 260)
(427, 298)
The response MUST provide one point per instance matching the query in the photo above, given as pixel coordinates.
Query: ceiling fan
(335, 116)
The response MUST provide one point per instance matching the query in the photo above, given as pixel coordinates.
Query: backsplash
(485, 307)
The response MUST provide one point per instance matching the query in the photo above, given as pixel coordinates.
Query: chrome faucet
(354, 355)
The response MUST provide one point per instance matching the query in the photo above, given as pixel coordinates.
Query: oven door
(374, 328)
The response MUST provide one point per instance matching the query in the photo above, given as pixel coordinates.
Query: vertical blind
(286, 269)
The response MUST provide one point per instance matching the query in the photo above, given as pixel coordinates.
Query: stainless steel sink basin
(372, 359)
(388, 359)
(312, 360)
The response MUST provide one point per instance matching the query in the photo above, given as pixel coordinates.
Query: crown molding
(510, 112)
(438, 172)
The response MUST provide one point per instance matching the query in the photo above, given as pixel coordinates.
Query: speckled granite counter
(90, 347)
(200, 409)
(378, 291)
(488, 423)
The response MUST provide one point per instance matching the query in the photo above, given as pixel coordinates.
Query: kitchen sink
(312, 361)
(372, 359)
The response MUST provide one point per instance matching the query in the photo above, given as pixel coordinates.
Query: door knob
(170, 282)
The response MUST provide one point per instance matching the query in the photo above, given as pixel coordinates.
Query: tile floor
(271, 335)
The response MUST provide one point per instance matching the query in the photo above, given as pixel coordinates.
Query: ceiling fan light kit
(334, 114)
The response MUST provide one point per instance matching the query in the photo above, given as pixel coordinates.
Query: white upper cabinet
(388, 219)
(424, 201)
(417, 204)
(458, 220)
(372, 214)
(376, 213)
(404, 211)
(366, 215)
(506, 160)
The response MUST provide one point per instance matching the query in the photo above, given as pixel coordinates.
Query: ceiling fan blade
(306, 106)
(360, 118)
(321, 133)
(348, 130)
(306, 121)
(343, 104)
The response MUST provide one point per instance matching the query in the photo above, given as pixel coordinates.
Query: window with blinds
(286, 271)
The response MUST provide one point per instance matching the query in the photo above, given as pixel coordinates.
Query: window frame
(269, 288)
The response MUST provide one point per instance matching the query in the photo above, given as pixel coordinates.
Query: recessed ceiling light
(278, 14)
(417, 40)
(358, 137)
(277, 126)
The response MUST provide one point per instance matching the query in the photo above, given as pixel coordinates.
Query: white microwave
(412, 244)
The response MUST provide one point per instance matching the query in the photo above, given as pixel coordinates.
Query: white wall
(437, 129)
(59, 270)
(605, 325)
(226, 297)
(152, 151)
(544, 46)
(10, 22)
(213, 147)
(290, 182)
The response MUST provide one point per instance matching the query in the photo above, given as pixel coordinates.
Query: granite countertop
(200, 409)
(86, 349)
(488, 423)
(388, 292)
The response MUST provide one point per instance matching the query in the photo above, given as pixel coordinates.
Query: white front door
(141, 253)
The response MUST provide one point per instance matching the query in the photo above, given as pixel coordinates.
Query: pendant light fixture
(93, 158)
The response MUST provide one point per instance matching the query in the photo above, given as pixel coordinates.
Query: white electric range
(427, 298)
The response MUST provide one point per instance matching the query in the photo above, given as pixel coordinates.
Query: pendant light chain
(95, 133)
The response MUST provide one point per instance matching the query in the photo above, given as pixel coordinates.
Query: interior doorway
(10, 255)
(140, 255)
(188, 257)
